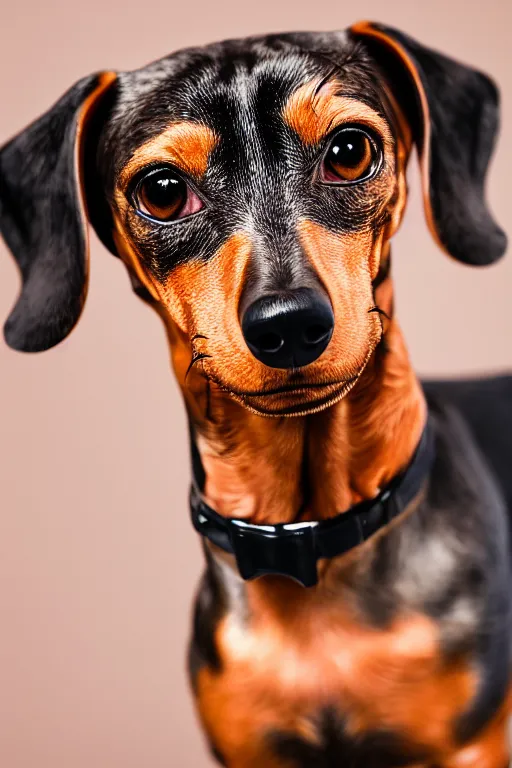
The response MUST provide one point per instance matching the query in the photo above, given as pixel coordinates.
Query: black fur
(466, 590)
(261, 171)
(336, 747)
(464, 513)
(463, 106)
(238, 88)
(486, 405)
(210, 607)
(43, 223)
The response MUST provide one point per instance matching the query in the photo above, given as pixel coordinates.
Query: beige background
(98, 562)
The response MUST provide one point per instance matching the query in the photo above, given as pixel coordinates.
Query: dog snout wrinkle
(288, 330)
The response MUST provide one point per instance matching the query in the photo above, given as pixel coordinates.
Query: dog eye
(165, 196)
(352, 156)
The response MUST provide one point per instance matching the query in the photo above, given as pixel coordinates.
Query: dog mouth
(299, 399)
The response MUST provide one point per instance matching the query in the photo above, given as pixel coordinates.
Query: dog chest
(332, 685)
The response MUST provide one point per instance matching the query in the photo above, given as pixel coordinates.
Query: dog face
(263, 174)
(251, 188)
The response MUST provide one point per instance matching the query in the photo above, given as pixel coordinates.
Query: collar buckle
(280, 550)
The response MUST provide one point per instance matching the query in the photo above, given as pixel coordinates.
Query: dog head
(251, 187)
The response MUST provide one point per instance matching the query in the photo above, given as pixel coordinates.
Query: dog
(355, 607)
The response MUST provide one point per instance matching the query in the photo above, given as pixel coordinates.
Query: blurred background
(98, 561)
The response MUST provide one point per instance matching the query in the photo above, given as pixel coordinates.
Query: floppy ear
(453, 112)
(43, 217)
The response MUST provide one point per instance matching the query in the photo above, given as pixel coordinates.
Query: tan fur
(187, 145)
(255, 467)
(87, 110)
(367, 30)
(313, 112)
(296, 656)
(298, 650)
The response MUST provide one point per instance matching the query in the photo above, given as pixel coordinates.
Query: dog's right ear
(43, 217)
(453, 111)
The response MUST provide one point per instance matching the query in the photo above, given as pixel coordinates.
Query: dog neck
(277, 470)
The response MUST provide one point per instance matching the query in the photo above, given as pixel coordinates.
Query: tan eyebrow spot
(312, 112)
(186, 145)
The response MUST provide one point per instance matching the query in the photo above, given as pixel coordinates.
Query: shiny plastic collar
(293, 549)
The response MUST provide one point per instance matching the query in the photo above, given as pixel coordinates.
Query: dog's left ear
(43, 217)
(453, 113)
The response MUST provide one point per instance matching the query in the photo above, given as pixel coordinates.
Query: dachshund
(355, 605)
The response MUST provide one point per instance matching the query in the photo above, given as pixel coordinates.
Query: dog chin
(300, 402)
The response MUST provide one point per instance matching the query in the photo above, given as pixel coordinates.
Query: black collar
(293, 549)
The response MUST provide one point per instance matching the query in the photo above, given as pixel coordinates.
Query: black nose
(288, 330)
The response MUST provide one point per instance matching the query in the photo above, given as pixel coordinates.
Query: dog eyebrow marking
(186, 144)
(315, 108)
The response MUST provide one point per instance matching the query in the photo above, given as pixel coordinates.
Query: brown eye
(352, 156)
(165, 196)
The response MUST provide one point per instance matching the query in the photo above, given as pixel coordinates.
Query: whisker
(380, 312)
(196, 359)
